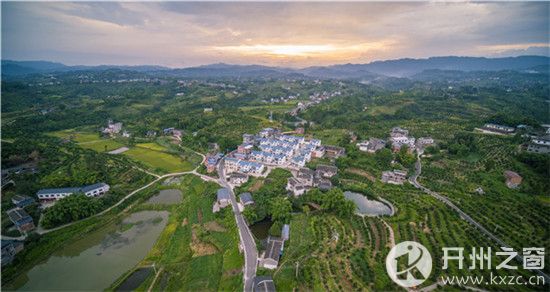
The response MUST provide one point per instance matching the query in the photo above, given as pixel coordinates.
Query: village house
(22, 221)
(396, 177)
(513, 179)
(208, 109)
(249, 139)
(94, 190)
(318, 152)
(22, 201)
(372, 145)
(305, 176)
(168, 131)
(322, 183)
(270, 257)
(326, 171)
(9, 249)
(334, 151)
(425, 141)
(267, 132)
(246, 199)
(211, 162)
(245, 148)
(296, 187)
(238, 179)
(223, 199)
(151, 133)
(539, 145)
(498, 129)
(248, 167)
(398, 132)
(125, 134)
(112, 128)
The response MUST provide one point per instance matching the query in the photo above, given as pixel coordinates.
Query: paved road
(247, 241)
(414, 181)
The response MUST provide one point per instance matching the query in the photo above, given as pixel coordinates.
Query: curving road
(414, 181)
(247, 241)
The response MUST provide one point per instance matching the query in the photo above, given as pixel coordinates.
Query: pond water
(135, 279)
(260, 229)
(368, 207)
(96, 261)
(168, 197)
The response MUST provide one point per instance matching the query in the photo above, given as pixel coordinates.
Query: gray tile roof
(223, 194)
(246, 198)
(71, 190)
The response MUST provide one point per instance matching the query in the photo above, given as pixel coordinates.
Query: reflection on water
(94, 262)
(260, 229)
(366, 206)
(168, 197)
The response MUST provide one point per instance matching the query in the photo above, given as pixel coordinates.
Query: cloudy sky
(179, 34)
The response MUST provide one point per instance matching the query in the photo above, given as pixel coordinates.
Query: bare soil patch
(362, 173)
(214, 226)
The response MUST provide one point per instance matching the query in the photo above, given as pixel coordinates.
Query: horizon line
(272, 66)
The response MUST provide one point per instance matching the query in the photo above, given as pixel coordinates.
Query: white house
(57, 194)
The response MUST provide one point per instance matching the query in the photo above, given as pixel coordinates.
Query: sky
(291, 34)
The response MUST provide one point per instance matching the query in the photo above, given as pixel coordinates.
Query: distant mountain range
(369, 71)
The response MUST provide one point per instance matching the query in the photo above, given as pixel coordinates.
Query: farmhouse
(246, 199)
(513, 180)
(267, 132)
(270, 257)
(296, 187)
(539, 145)
(326, 171)
(22, 201)
(322, 183)
(223, 199)
(57, 194)
(211, 161)
(372, 145)
(318, 152)
(305, 176)
(112, 128)
(248, 167)
(238, 178)
(248, 138)
(396, 177)
(398, 132)
(23, 222)
(334, 151)
(498, 129)
(9, 249)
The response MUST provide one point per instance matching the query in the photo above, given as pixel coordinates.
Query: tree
(306, 210)
(280, 209)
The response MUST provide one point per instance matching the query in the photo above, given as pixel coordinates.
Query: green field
(198, 250)
(162, 161)
(88, 140)
(76, 136)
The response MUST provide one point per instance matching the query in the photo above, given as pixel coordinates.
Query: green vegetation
(198, 250)
(71, 208)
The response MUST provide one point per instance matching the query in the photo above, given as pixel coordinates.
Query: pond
(96, 261)
(260, 229)
(368, 207)
(135, 279)
(169, 197)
